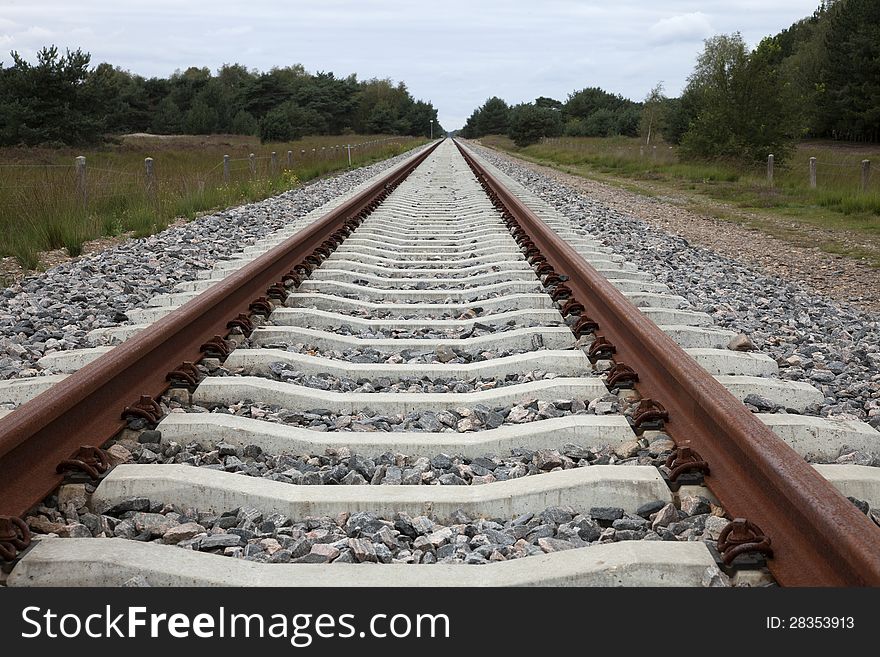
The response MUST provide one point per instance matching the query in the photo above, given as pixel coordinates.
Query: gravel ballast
(55, 310)
(813, 338)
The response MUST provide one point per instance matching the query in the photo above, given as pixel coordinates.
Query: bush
(529, 123)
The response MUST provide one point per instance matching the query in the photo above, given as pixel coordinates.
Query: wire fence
(54, 205)
(827, 169)
(89, 183)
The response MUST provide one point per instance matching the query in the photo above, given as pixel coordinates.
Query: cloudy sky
(455, 53)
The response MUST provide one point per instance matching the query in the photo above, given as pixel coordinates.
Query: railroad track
(433, 372)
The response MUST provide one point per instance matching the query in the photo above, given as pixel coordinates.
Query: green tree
(168, 119)
(201, 119)
(381, 121)
(850, 102)
(48, 102)
(743, 109)
(493, 117)
(652, 112)
(61, 100)
(243, 123)
(530, 122)
(276, 125)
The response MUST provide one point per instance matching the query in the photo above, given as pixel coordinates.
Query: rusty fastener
(216, 346)
(584, 324)
(561, 291)
(277, 291)
(146, 408)
(601, 348)
(649, 410)
(572, 307)
(741, 536)
(291, 278)
(261, 306)
(186, 373)
(535, 259)
(243, 322)
(622, 376)
(88, 459)
(15, 536)
(684, 459)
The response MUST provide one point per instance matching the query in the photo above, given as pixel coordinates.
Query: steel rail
(818, 537)
(86, 408)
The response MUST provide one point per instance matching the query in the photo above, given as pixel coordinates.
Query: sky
(455, 54)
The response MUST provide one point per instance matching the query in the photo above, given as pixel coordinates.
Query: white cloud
(37, 32)
(694, 26)
(236, 30)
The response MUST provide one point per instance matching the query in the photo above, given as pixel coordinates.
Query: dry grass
(837, 214)
(42, 209)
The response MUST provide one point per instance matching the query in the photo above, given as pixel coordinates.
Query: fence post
(348, 146)
(81, 179)
(866, 174)
(812, 173)
(274, 163)
(770, 169)
(290, 159)
(653, 153)
(225, 169)
(252, 161)
(150, 180)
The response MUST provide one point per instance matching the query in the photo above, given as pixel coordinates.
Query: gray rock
(606, 513)
(213, 541)
(554, 545)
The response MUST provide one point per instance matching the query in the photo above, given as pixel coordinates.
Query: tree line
(818, 78)
(62, 100)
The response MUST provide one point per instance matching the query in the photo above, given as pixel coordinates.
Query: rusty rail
(817, 536)
(47, 432)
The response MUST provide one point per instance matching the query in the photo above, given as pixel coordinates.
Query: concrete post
(252, 161)
(225, 169)
(274, 163)
(770, 169)
(290, 159)
(866, 174)
(80, 169)
(348, 146)
(812, 173)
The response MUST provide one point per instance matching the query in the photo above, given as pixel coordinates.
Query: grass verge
(43, 206)
(836, 216)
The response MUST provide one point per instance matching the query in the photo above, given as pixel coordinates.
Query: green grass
(41, 208)
(837, 216)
